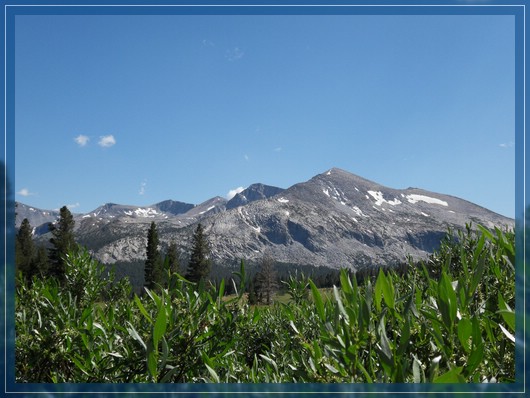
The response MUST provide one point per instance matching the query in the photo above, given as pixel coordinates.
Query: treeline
(265, 277)
(38, 261)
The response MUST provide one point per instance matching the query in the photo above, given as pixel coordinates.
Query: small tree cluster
(157, 269)
(265, 281)
(30, 260)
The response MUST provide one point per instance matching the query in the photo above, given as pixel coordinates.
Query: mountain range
(336, 219)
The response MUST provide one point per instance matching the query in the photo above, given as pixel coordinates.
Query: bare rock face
(336, 219)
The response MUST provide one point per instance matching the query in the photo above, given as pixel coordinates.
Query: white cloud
(73, 206)
(247, 158)
(208, 43)
(278, 149)
(234, 54)
(25, 192)
(506, 145)
(107, 141)
(81, 140)
(234, 192)
(142, 187)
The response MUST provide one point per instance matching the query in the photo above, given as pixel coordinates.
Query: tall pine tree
(153, 263)
(25, 251)
(63, 242)
(173, 258)
(199, 265)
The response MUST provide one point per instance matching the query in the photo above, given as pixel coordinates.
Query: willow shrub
(449, 319)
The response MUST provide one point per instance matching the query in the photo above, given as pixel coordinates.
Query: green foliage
(199, 265)
(297, 288)
(29, 260)
(173, 258)
(449, 319)
(62, 242)
(153, 263)
(25, 250)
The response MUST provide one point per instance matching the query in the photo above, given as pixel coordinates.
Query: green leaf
(318, 301)
(142, 309)
(510, 336)
(385, 286)
(331, 368)
(152, 361)
(476, 277)
(451, 376)
(464, 331)
(385, 349)
(294, 327)
(446, 300)
(364, 372)
(221, 289)
(416, 370)
(165, 353)
(213, 373)
(317, 351)
(506, 312)
(270, 360)
(80, 366)
(339, 302)
(475, 359)
(134, 334)
(345, 282)
(160, 325)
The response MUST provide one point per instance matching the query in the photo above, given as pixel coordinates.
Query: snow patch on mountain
(379, 199)
(414, 198)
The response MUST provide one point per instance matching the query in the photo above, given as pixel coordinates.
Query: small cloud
(81, 140)
(235, 54)
(208, 43)
(107, 141)
(73, 206)
(278, 149)
(234, 192)
(25, 192)
(142, 187)
(506, 145)
(247, 158)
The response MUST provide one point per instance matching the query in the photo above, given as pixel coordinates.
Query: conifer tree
(63, 242)
(173, 258)
(199, 265)
(41, 262)
(25, 251)
(153, 263)
(266, 280)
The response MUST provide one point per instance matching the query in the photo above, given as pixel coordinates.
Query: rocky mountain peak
(335, 219)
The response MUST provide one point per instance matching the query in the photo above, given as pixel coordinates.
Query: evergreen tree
(63, 242)
(266, 280)
(41, 263)
(25, 251)
(153, 263)
(252, 292)
(173, 258)
(199, 265)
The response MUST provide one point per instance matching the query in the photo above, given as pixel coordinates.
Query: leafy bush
(448, 319)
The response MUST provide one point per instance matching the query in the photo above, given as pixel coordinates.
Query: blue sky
(139, 109)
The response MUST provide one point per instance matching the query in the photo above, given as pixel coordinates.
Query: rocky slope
(336, 219)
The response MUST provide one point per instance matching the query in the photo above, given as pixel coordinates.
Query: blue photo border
(135, 7)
